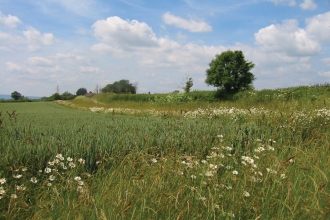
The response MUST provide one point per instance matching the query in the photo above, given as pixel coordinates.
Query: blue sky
(85, 43)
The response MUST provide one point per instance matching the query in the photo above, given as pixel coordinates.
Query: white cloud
(13, 66)
(287, 38)
(326, 61)
(284, 2)
(89, 69)
(319, 26)
(36, 39)
(39, 61)
(190, 25)
(325, 74)
(308, 5)
(10, 21)
(129, 34)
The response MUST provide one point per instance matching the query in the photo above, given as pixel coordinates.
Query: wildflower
(193, 177)
(220, 136)
(235, 172)
(203, 198)
(283, 176)
(291, 160)
(2, 190)
(56, 161)
(154, 160)
(17, 176)
(13, 196)
(49, 184)
(246, 194)
(209, 173)
(80, 189)
(3, 181)
(48, 170)
(33, 180)
(51, 177)
(71, 165)
(212, 166)
(204, 161)
(24, 169)
(69, 159)
(80, 183)
(60, 157)
(82, 161)
(77, 178)
(51, 163)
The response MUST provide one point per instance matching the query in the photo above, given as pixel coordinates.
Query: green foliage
(120, 87)
(67, 96)
(189, 83)
(230, 72)
(176, 97)
(54, 97)
(81, 91)
(16, 95)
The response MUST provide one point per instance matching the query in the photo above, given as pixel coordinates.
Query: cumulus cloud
(129, 34)
(326, 61)
(324, 74)
(10, 21)
(319, 26)
(89, 69)
(39, 61)
(287, 38)
(190, 25)
(308, 5)
(13, 66)
(36, 39)
(284, 2)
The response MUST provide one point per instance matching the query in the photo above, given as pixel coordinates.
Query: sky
(70, 44)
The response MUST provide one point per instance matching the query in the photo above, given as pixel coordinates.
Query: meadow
(260, 155)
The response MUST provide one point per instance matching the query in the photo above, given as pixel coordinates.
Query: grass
(194, 160)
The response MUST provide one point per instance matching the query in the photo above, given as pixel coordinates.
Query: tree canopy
(81, 91)
(16, 95)
(122, 86)
(230, 72)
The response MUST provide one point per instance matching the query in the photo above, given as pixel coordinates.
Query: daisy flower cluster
(57, 171)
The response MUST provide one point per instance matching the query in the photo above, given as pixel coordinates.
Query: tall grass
(266, 162)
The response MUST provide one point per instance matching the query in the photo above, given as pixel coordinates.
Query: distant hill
(7, 97)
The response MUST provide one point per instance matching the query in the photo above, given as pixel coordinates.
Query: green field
(239, 159)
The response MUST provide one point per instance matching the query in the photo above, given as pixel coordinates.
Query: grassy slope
(153, 167)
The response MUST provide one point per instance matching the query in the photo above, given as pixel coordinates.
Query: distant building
(89, 94)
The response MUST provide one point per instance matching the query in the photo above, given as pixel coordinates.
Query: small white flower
(82, 161)
(17, 176)
(235, 172)
(77, 178)
(3, 181)
(154, 160)
(48, 170)
(33, 180)
(51, 177)
(193, 177)
(246, 194)
(283, 176)
(69, 159)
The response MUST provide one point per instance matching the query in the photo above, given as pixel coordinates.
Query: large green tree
(121, 86)
(16, 95)
(229, 71)
(81, 91)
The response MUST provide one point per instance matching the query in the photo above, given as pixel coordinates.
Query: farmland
(260, 156)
